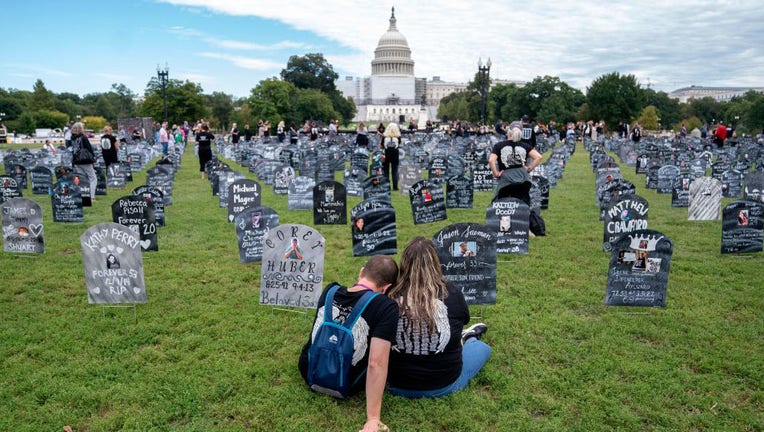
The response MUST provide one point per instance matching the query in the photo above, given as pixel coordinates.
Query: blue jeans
(165, 145)
(474, 355)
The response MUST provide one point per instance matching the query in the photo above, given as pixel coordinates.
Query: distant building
(721, 94)
(392, 92)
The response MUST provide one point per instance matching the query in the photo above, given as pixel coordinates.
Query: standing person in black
(508, 164)
(204, 140)
(110, 153)
(83, 155)
(247, 133)
(234, 134)
(390, 142)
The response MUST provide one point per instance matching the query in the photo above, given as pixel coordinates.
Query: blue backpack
(331, 354)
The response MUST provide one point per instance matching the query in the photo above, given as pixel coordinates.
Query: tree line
(612, 97)
(305, 90)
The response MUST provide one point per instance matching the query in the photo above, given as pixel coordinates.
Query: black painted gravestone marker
(438, 169)
(408, 175)
(754, 186)
(301, 193)
(508, 218)
(353, 180)
(376, 187)
(9, 188)
(482, 177)
(19, 173)
(742, 227)
(373, 228)
(113, 264)
(540, 192)
(100, 181)
(330, 204)
(627, 215)
(428, 204)
(116, 175)
(467, 255)
(242, 193)
(680, 194)
(155, 197)
(224, 182)
(667, 175)
(252, 225)
(161, 176)
(293, 266)
(136, 213)
(22, 226)
(66, 199)
(459, 192)
(705, 199)
(282, 177)
(42, 180)
(639, 270)
(732, 184)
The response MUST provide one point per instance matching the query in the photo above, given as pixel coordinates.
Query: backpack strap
(355, 313)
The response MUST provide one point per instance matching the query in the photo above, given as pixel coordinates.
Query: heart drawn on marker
(145, 244)
(137, 290)
(119, 250)
(35, 229)
(110, 247)
(96, 290)
(103, 250)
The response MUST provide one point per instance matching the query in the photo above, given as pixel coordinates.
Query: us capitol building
(393, 92)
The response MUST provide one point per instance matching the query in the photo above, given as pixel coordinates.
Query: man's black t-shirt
(379, 320)
(431, 359)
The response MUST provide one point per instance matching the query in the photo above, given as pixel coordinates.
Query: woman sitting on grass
(431, 355)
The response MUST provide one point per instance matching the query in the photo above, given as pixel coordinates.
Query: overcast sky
(230, 45)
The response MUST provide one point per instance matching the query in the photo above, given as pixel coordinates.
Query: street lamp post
(484, 73)
(163, 74)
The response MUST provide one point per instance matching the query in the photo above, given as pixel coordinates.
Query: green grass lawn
(204, 355)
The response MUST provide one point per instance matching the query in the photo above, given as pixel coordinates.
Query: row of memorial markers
(292, 255)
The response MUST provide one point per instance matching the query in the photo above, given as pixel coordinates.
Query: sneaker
(474, 331)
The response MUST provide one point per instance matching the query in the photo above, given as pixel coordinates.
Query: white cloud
(575, 40)
(244, 62)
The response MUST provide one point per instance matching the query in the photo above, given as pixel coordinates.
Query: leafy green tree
(310, 71)
(313, 104)
(615, 98)
(345, 107)
(95, 122)
(49, 119)
(221, 107)
(706, 109)
(667, 107)
(273, 99)
(501, 99)
(463, 105)
(754, 117)
(123, 99)
(649, 118)
(185, 101)
(42, 98)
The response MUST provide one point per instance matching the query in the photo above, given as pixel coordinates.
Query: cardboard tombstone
(159, 176)
(467, 254)
(459, 192)
(409, 174)
(376, 187)
(252, 225)
(293, 266)
(283, 175)
(223, 185)
(438, 170)
(101, 182)
(9, 188)
(330, 204)
(19, 173)
(742, 227)
(732, 184)
(137, 213)
(66, 199)
(353, 178)
(698, 168)
(626, 215)
(373, 228)
(79, 178)
(754, 186)
(509, 219)
(155, 197)
(113, 263)
(667, 175)
(639, 270)
(540, 192)
(428, 203)
(680, 194)
(242, 193)
(22, 226)
(301, 193)
(482, 177)
(42, 180)
(705, 199)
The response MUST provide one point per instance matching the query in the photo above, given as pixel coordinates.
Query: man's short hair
(380, 269)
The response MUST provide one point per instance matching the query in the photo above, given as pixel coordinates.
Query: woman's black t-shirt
(431, 359)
